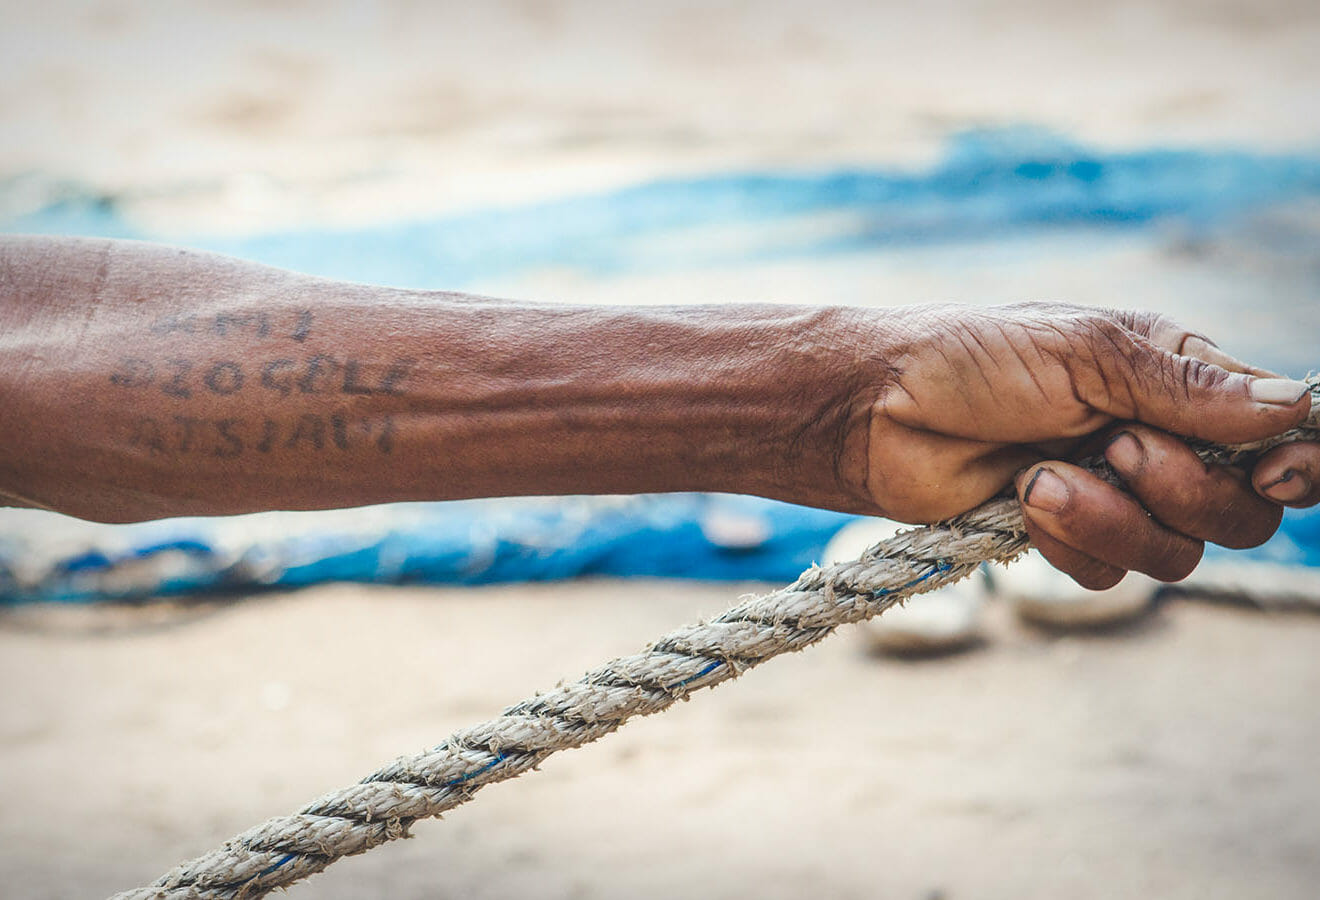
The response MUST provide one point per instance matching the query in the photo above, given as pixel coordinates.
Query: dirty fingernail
(1292, 486)
(1046, 491)
(1125, 453)
(1280, 391)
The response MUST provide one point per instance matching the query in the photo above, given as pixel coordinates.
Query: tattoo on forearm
(176, 385)
(224, 378)
(278, 379)
(255, 324)
(318, 374)
(227, 438)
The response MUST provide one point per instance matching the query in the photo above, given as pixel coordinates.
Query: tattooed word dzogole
(317, 374)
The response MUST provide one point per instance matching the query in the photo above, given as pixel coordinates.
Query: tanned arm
(143, 381)
(139, 381)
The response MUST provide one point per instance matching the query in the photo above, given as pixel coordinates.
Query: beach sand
(1174, 759)
(216, 116)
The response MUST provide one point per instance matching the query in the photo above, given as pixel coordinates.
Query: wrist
(742, 398)
(826, 376)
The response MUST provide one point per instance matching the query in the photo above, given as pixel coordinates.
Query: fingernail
(1046, 491)
(1293, 485)
(1125, 453)
(1279, 391)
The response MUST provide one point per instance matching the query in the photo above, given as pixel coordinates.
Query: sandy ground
(215, 115)
(1174, 759)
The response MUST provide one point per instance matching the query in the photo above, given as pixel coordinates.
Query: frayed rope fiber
(382, 806)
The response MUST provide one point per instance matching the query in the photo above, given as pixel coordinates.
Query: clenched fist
(975, 399)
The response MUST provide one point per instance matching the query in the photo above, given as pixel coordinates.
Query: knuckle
(1198, 373)
(1140, 321)
(1167, 380)
(1040, 308)
(1102, 334)
(1108, 328)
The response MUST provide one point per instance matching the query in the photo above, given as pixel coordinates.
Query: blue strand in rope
(702, 674)
(499, 758)
(941, 566)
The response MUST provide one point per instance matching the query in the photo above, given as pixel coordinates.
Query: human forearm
(141, 381)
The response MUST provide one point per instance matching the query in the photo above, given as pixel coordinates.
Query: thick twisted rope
(383, 805)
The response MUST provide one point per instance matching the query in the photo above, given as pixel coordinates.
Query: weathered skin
(139, 382)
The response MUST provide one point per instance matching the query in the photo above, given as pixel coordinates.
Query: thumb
(1191, 397)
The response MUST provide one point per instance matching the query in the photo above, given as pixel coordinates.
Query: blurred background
(1161, 155)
